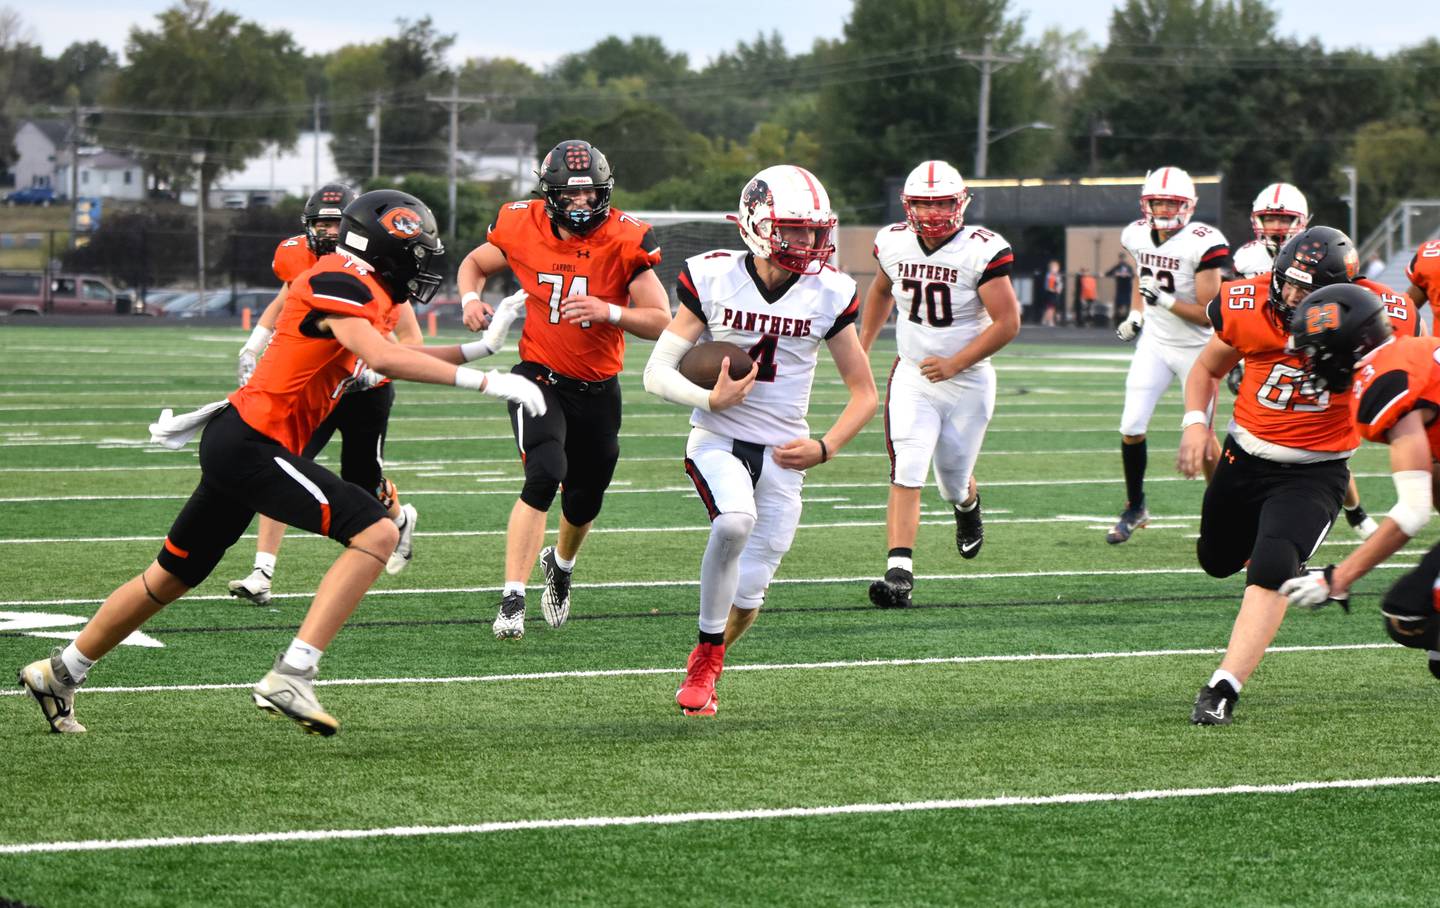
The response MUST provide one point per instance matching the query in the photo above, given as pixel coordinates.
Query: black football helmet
(575, 164)
(1318, 257)
(396, 235)
(325, 204)
(1333, 329)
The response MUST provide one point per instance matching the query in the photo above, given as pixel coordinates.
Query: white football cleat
(405, 547)
(555, 601)
(50, 683)
(254, 589)
(291, 693)
(510, 620)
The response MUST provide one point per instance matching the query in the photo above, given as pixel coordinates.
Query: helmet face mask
(1279, 200)
(395, 234)
(321, 217)
(935, 198)
(1334, 328)
(576, 183)
(785, 218)
(1168, 184)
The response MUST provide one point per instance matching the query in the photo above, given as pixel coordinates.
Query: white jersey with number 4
(782, 329)
(1193, 248)
(937, 294)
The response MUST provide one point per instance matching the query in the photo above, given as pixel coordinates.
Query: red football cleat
(707, 661)
(709, 709)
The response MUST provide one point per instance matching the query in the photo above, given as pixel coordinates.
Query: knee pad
(757, 569)
(732, 530)
(1272, 562)
(544, 469)
(1409, 610)
(1216, 560)
(192, 566)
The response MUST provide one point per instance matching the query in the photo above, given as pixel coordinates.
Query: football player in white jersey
(1180, 262)
(750, 445)
(1279, 213)
(951, 285)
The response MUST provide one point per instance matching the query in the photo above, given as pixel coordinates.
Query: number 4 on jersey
(579, 286)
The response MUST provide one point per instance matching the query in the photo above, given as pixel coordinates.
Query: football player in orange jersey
(1282, 474)
(250, 460)
(1424, 274)
(588, 272)
(1345, 339)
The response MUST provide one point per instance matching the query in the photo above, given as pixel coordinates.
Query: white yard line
(713, 816)
(758, 667)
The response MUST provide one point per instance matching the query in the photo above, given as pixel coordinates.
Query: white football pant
(943, 422)
(754, 507)
(1152, 368)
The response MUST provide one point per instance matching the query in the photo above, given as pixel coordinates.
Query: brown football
(701, 363)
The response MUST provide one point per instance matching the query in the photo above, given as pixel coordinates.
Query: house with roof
(39, 142)
(102, 174)
(490, 151)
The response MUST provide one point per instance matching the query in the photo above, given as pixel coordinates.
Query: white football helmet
(1284, 200)
(1169, 184)
(935, 181)
(786, 196)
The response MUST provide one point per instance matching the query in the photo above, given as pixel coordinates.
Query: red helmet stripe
(931, 179)
(1164, 177)
(810, 184)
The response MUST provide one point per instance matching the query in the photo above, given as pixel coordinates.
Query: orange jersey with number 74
(601, 263)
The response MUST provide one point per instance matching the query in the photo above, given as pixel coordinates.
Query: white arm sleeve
(1412, 509)
(664, 380)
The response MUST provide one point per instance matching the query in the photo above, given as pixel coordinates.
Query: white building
(103, 174)
(275, 173)
(38, 143)
(490, 151)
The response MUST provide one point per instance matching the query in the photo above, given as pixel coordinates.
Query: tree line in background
(1205, 84)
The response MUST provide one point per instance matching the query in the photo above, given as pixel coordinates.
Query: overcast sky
(540, 34)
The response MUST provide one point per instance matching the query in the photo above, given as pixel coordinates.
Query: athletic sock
(563, 564)
(901, 557)
(974, 503)
(716, 639)
(265, 563)
(1222, 675)
(301, 656)
(75, 663)
(1134, 458)
(513, 586)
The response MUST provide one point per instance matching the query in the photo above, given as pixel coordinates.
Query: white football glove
(255, 345)
(1312, 590)
(505, 314)
(367, 379)
(515, 388)
(1129, 328)
(1150, 291)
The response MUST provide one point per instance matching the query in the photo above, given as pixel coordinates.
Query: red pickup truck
(35, 293)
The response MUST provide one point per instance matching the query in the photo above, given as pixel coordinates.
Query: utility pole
(199, 159)
(74, 171)
(455, 101)
(375, 140)
(315, 153)
(988, 64)
(1352, 198)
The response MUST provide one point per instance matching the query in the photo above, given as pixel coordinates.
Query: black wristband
(824, 451)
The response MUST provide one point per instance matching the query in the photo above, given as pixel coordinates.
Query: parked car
(218, 303)
(32, 195)
(33, 293)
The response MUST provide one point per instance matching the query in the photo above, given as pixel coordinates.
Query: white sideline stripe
(656, 584)
(713, 816)
(759, 667)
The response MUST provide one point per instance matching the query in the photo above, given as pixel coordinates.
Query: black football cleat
(894, 590)
(969, 530)
(1215, 705)
(1130, 520)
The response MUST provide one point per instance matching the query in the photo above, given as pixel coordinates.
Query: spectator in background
(1124, 277)
(1374, 267)
(1089, 295)
(1052, 293)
